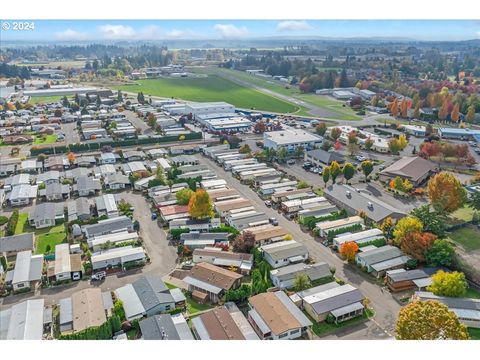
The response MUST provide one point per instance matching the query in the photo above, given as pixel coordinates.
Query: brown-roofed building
(217, 194)
(415, 169)
(87, 309)
(172, 212)
(223, 207)
(267, 233)
(220, 325)
(17, 139)
(274, 316)
(211, 280)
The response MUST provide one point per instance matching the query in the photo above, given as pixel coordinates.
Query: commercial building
(206, 108)
(416, 169)
(355, 201)
(320, 157)
(291, 139)
(459, 134)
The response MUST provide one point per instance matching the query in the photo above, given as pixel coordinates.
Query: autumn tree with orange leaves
(416, 244)
(348, 250)
(200, 205)
(71, 157)
(446, 193)
(394, 108)
(455, 115)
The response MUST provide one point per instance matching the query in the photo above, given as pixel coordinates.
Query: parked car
(76, 276)
(268, 203)
(307, 165)
(273, 221)
(154, 216)
(187, 265)
(99, 276)
(360, 158)
(291, 162)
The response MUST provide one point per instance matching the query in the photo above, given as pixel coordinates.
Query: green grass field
(44, 99)
(194, 307)
(323, 328)
(49, 139)
(50, 236)
(22, 220)
(463, 214)
(211, 88)
(330, 104)
(468, 237)
(474, 333)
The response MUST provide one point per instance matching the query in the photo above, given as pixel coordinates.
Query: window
(283, 335)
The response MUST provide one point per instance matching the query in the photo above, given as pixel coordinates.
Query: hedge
(12, 223)
(311, 221)
(175, 233)
(3, 220)
(332, 233)
(102, 332)
(377, 242)
(85, 147)
(225, 228)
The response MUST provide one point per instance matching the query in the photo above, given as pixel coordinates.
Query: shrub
(3, 220)
(377, 242)
(12, 223)
(332, 233)
(175, 233)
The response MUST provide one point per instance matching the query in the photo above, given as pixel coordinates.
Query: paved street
(162, 257)
(386, 307)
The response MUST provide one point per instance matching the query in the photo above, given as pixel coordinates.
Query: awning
(296, 259)
(424, 282)
(347, 309)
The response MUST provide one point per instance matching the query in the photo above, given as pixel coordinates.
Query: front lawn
(22, 221)
(49, 139)
(472, 293)
(194, 307)
(50, 237)
(463, 214)
(323, 328)
(474, 333)
(468, 237)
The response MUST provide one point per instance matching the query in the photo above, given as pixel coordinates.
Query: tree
(321, 128)
(402, 141)
(441, 253)
(446, 193)
(348, 250)
(326, 174)
(429, 320)
(416, 244)
(455, 115)
(244, 242)
(245, 149)
(404, 227)
(200, 205)
(140, 97)
(118, 309)
(352, 142)
(65, 102)
(368, 144)
(301, 282)
(348, 171)
(470, 117)
(367, 168)
(335, 133)
(119, 96)
(394, 146)
(260, 127)
(451, 284)
(302, 184)
(183, 196)
(394, 108)
(181, 138)
(124, 207)
(334, 170)
(387, 227)
(475, 200)
(443, 112)
(71, 157)
(416, 111)
(151, 120)
(432, 221)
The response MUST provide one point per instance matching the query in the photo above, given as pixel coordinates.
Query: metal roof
(28, 267)
(202, 285)
(131, 303)
(66, 311)
(347, 309)
(152, 292)
(388, 264)
(26, 321)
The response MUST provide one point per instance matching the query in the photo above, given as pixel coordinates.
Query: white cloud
(116, 32)
(151, 32)
(176, 34)
(230, 31)
(70, 35)
(292, 25)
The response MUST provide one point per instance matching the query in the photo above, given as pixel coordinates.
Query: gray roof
(108, 225)
(27, 267)
(66, 311)
(165, 327)
(451, 302)
(285, 249)
(56, 189)
(341, 296)
(410, 167)
(107, 300)
(184, 159)
(238, 222)
(87, 183)
(23, 191)
(413, 274)
(326, 157)
(25, 321)
(314, 272)
(204, 236)
(380, 254)
(17, 242)
(46, 211)
(117, 178)
(77, 173)
(377, 210)
(49, 175)
(152, 291)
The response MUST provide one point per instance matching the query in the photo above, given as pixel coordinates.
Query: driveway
(382, 327)
(162, 260)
